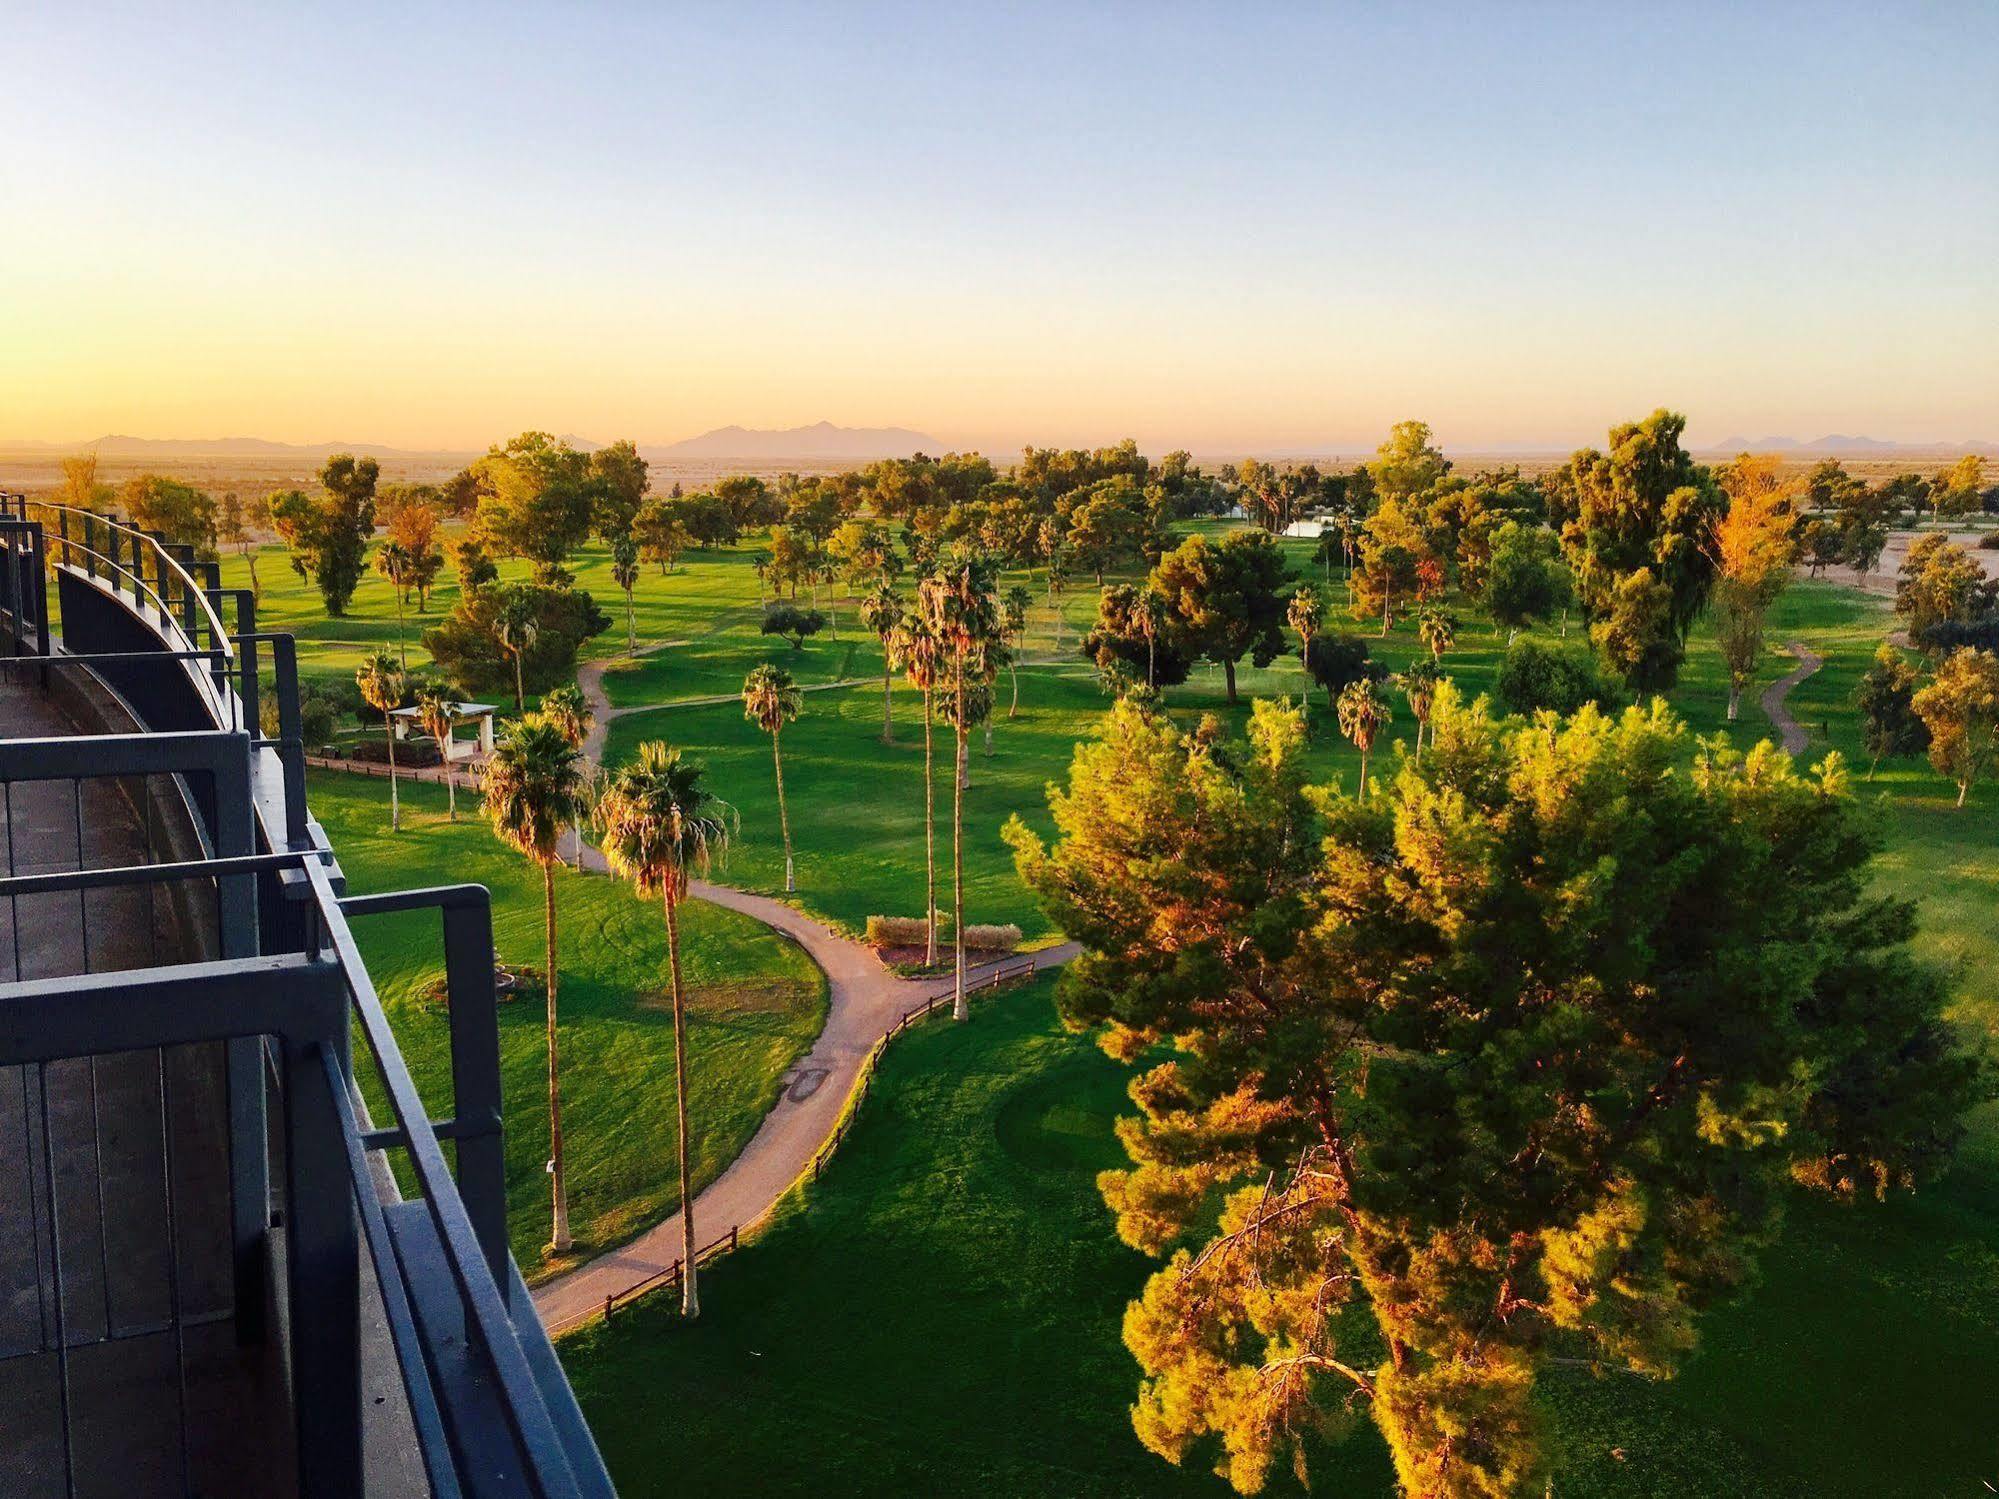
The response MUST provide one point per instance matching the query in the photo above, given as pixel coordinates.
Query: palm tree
(957, 607)
(1363, 715)
(920, 655)
(1419, 685)
(1438, 631)
(882, 611)
(625, 573)
(1151, 613)
(381, 682)
(658, 824)
(1013, 624)
(567, 708)
(771, 700)
(534, 790)
(516, 628)
(393, 561)
(436, 711)
(1307, 614)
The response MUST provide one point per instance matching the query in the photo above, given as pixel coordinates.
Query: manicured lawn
(757, 1003)
(941, 1314)
(1862, 1363)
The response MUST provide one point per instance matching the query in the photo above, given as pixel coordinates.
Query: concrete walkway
(1789, 732)
(863, 1001)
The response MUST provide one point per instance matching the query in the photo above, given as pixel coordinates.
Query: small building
(409, 725)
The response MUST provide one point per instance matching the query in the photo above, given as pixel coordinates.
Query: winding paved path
(1789, 731)
(863, 1001)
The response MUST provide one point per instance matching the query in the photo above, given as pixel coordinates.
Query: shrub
(1535, 676)
(1989, 542)
(907, 931)
(992, 938)
(895, 931)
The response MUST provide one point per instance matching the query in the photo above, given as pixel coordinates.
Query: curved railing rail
(181, 590)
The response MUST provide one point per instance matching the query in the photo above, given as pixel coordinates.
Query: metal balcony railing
(282, 990)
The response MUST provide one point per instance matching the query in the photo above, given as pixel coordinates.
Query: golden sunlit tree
(1751, 546)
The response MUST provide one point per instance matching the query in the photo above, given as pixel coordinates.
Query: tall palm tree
(1438, 631)
(516, 628)
(659, 824)
(1419, 685)
(1307, 615)
(920, 654)
(394, 562)
(882, 611)
(382, 683)
(436, 711)
(568, 709)
(1152, 613)
(534, 790)
(625, 573)
(956, 604)
(1013, 623)
(1363, 715)
(770, 701)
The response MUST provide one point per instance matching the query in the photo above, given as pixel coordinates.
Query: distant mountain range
(820, 440)
(118, 446)
(1840, 443)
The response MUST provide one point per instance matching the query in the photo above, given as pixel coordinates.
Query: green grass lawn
(940, 1315)
(757, 1004)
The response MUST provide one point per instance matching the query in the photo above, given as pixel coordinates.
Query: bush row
(907, 931)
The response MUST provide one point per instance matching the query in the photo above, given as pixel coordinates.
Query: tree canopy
(1228, 598)
(1513, 1063)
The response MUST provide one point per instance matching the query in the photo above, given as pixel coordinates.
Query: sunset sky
(1221, 227)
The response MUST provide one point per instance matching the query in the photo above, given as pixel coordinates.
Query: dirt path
(1790, 733)
(863, 1001)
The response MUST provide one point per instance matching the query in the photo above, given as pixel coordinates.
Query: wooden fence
(669, 1278)
(1005, 973)
(434, 774)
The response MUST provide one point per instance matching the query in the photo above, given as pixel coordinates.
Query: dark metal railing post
(291, 736)
(323, 1253)
(475, 1074)
(249, 687)
(13, 596)
(249, 1123)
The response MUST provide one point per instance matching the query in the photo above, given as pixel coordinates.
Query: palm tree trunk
(558, 1240)
(929, 842)
(520, 692)
(1228, 669)
(690, 1298)
(1151, 659)
(1013, 708)
(888, 705)
(961, 1008)
(1363, 775)
(631, 623)
(402, 644)
(783, 817)
(395, 802)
